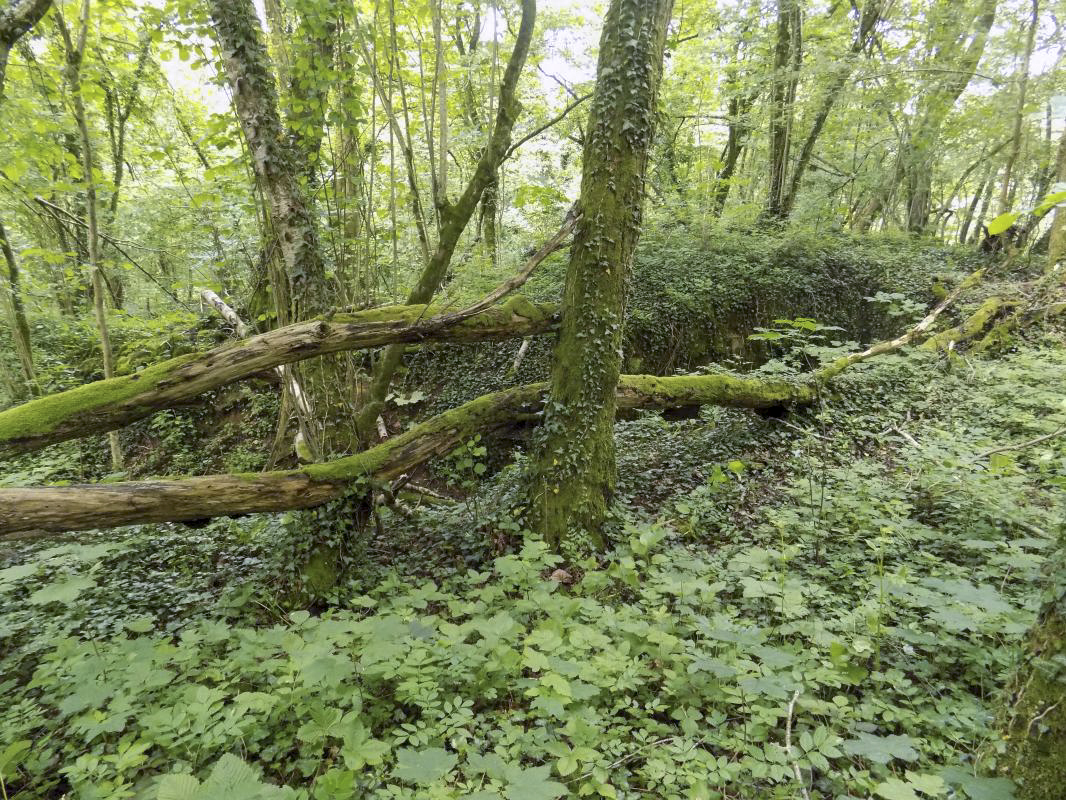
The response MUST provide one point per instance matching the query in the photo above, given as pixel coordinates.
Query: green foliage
(888, 583)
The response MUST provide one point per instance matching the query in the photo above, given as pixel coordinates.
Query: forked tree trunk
(575, 470)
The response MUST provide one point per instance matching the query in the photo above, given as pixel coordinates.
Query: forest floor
(834, 599)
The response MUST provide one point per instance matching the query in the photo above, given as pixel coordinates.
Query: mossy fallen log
(106, 405)
(68, 508)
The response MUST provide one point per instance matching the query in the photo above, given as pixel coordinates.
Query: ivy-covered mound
(849, 628)
(697, 294)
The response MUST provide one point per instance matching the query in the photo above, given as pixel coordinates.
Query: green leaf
(881, 749)
(423, 766)
(895, 789)
(11, 756)
(1002, 222)
(979, 788)
(533, 784)
(299, 617)
(140, 625)
(932, 785)
(178, 787)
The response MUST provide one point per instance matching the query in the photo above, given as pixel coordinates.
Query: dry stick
(288, 377)
(838, 366)
(788, 746)
(1020, 445)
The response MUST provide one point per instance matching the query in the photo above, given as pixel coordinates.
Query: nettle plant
(797, 339)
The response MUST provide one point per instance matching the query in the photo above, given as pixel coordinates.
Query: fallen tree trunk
(106, 405)
(68, 508)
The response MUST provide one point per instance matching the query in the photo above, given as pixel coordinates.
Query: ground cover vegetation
(532, 400)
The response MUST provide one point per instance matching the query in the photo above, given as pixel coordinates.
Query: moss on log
(106, 405)
(69, 508)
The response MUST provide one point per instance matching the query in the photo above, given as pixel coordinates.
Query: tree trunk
(1005, 195)
(75, 508)
(20, 328)
(106, 405)
(971, 209)
(782, 103)
(574, 471)
(957, 56)
(1057, 239)
(1035, 719)
(16, 20)
(454, 218)
(868, 19)
(736, 139)
(75, 53)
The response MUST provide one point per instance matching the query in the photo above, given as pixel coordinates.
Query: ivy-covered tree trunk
(1035, 719)
(575, 470)
(15, 20)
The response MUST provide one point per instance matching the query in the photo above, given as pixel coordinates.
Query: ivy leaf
(61, 591)
(423, 766)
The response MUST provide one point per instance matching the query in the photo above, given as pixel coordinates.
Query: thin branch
(550, 246)
(539, 130)
(1020, 445)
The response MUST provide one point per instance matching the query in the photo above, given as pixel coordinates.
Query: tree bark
(110, 505)
(787, 54)
(1034, 722)
(1057, 239)
(574, 471)
(15, 21)
(106, 405)
(274, 159)
(918, 155)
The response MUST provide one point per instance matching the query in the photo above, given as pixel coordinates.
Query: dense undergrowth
(698, 294)
(836, 599)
